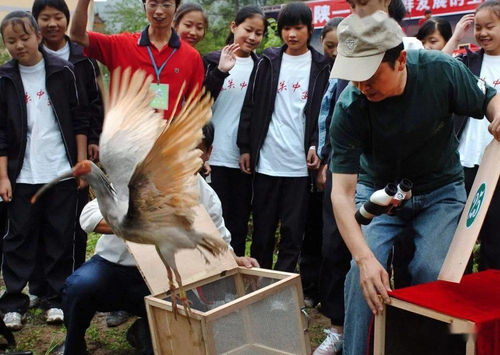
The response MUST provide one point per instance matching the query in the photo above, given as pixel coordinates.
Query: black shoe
(114, 319)
(138, 337)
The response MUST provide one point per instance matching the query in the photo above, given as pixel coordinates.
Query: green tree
(4, 54)
(125, 16)
(128, 16)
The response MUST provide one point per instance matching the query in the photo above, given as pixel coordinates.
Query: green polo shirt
(411, 135)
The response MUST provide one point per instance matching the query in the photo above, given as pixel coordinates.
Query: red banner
(323, 10)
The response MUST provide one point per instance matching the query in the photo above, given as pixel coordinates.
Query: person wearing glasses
(157, 50)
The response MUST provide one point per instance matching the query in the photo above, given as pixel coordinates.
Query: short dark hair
(60, 5)
(242, 15)
(427, 12)
(331, 25)
(208, 135)
(293, 14)
(392, 55)
(187, 8)
(397, 10)
(18, 18)
(435, 24)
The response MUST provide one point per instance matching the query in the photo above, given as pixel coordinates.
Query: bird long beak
(47, 186)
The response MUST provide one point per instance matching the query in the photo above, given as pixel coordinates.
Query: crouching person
(110, 280)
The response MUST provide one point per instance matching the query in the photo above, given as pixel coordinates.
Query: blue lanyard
(160, 69)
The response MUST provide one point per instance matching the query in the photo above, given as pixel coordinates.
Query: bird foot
(186, 303)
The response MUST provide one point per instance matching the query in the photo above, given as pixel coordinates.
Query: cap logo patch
(350, 44)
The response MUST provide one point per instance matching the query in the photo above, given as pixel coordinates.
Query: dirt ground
(101, 340)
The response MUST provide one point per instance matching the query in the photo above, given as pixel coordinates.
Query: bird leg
(173, 292)
(183, 296)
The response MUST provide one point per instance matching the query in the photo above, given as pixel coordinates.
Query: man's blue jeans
(99, 286)
(434, 218)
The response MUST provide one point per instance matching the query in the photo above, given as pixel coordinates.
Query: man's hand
(245, 163)
(206, 169)
(312, 159)
(494, 127)
(5, 189)
(228, 57)
(374, 281)
(93, 152)
(246, 261)
(321, 178)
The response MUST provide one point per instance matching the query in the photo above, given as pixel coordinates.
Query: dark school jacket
(87, 71)
(63, 95)
(214, 78)
(473, 61)
(259, 104)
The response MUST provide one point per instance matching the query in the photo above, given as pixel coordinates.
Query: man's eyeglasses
(164, 5)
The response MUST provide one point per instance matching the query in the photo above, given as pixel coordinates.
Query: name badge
(160, 100)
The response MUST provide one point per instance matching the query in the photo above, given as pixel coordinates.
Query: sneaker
(34, 301)
(13, 320)
(114, 319)
(58, 350)
(331, 345)
(309, 302)
(55, 316)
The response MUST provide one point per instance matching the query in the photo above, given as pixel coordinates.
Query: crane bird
(150, 189)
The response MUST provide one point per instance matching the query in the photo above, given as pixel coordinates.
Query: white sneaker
(13, 320)
(331, 345)
(55, 316)
(34, 300)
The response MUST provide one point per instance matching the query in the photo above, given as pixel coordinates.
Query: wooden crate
(261, 316)
(279, 329)
(456, 326)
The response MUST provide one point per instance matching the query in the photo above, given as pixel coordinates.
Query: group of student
(270, 152)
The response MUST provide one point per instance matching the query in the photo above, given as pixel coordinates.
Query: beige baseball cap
(362, 45)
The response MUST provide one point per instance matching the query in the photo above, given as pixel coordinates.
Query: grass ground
(41, 338)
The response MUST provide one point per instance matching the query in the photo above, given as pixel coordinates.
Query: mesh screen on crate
(263, 327)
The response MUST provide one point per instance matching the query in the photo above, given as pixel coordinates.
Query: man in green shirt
(394, 122)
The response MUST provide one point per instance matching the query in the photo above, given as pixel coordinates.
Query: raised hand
(463, 25)
(228, 57)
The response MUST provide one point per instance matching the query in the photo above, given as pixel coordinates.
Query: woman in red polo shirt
(158, 50)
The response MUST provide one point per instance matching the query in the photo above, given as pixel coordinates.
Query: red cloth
(476, 298)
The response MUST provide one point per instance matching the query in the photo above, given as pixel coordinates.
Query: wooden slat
(191, 264)
(273, 274)
(466, 234)
(246, 300)
(379, 333)
(410, 307)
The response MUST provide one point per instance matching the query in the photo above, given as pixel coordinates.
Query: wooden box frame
(456, 325)
(458, 255)
(177, 336)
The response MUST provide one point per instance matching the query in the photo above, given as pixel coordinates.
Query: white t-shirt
(412, 43)
(475, 136)
(226, 114)
(282, 153)
(62, 53)
(114, 248)
(45, 155)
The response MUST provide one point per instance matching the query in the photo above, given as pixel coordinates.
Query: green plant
(273, 38)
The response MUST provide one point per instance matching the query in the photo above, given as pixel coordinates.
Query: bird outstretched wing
(163, 188)
(131, 127)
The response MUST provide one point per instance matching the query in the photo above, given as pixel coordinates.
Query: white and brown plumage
(150, 189)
